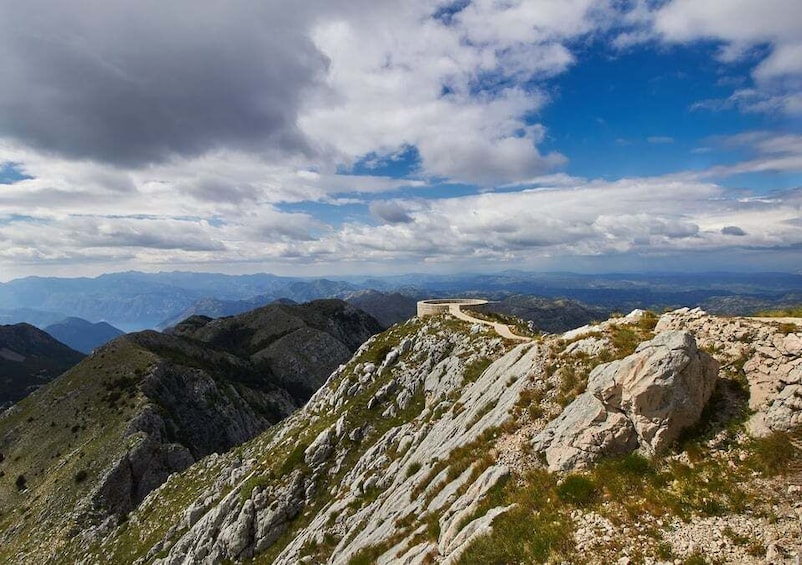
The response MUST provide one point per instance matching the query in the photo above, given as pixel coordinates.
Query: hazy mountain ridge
(135, 300)
(30, 358)
(81, 335)
(420, 449)
(100, 437)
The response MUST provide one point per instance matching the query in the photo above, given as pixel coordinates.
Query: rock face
(642, 401)
(377, 470)
(771, 358)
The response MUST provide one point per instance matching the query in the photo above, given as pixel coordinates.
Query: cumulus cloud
(139, 83)
(462, 92)
(744, 29)
(733, 230)
(185, 133)
(390, 212)
(133, 85)
(649, 216)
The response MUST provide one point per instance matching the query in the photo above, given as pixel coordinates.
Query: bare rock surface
(644, 400)
(771, 358)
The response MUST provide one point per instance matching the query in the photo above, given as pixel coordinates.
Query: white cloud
(291, 99)
(649, 216)
(784, 60)
(738, 21)
(454, 90)
(740, 26)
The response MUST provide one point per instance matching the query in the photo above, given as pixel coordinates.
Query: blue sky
(346, 137)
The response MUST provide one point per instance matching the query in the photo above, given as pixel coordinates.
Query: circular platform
(443, 305)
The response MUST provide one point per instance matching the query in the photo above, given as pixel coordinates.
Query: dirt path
(797, 321)
(501, 329)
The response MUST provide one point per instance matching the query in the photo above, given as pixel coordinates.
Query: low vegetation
(709, 472)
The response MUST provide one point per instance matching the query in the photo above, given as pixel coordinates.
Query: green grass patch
(474, 369)
(577, 489)
(771, 455)
(789, 312)
(535, 530)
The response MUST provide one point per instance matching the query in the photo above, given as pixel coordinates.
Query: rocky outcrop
(642, 401)
(769, 354)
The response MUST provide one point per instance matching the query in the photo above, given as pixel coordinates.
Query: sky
(334, 137)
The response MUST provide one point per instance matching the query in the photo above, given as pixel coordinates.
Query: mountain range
(133, 301)
(273, 436)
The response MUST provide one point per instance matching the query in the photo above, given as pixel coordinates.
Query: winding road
(501, 329)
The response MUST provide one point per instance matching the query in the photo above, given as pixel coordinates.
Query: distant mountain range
(132, 300)
(30, 358)
(81, 335)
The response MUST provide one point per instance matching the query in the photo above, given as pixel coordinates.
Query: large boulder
(642, 401)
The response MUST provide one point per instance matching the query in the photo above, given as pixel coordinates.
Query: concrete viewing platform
(454, 306)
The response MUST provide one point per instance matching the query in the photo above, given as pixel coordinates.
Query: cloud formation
(185, 133)
(136, 83)
(741, 26)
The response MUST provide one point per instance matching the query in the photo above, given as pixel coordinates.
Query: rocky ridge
(420, 449)
(102, 436)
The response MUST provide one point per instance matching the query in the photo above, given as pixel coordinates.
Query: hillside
(30, 358)
(99, 438)
(549, 314)
(82, 335)
(440, 442)
(387, 307)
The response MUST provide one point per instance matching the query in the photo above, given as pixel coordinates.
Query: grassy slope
(72, 426)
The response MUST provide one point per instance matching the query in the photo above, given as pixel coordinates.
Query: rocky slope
(428, 446)
(82, 452)
(82, 335)
(30, 358)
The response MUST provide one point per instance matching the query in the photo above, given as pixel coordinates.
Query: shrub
(21, 483)
(771, 454)
(695, 558)
(576, 489)
(633, 464)
(413, 468)
(80, 476)
(294, 460)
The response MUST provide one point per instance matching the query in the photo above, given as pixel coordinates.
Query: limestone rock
(321, 448)
(644, 400)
